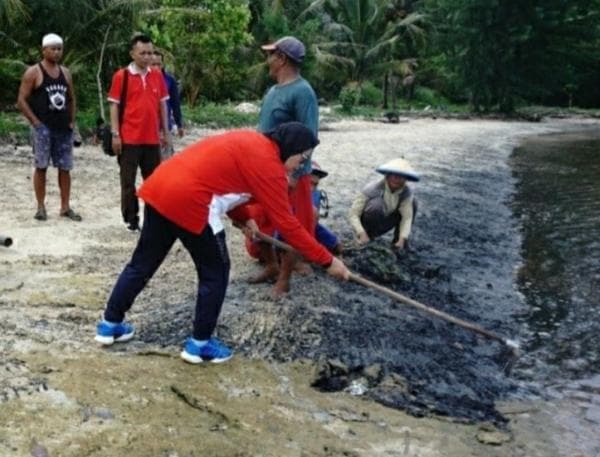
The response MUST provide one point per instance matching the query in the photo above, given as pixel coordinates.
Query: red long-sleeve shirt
(240, 161)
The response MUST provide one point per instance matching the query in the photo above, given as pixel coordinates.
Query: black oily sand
(427, 365)
(401, 357)
(464, 249)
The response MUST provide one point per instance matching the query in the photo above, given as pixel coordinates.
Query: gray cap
(290, 46)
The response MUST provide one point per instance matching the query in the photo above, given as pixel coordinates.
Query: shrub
(349, 96)
(427, 96)
(370, 94)
(214, 115)
(13, 128)
(10, 79)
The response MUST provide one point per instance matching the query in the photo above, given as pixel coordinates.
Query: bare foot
(280, 289)
(268, 274)
(303, 268)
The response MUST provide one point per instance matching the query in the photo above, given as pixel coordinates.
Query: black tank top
(50, 101)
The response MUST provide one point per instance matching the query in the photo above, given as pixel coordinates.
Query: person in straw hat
(386, 204)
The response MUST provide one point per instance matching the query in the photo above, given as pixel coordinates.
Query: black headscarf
(292, 138)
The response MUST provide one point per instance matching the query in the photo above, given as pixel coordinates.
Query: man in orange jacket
(178, 196)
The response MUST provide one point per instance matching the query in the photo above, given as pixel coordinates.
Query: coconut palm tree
(364, 37)
(12, 11)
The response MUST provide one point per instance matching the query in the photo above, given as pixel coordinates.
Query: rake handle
(402, 298)
(428, 309)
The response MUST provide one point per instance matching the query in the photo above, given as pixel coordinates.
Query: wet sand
(59, 390)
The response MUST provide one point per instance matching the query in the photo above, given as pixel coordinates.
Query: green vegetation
(505, 53)
(213, 115)
(401, 55)
(86, 122)
(13, 128)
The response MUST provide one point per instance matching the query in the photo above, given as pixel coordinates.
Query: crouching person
(178, 197)
(321, 208)
(386, 204)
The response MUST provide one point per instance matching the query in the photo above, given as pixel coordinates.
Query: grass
(13, 128)
(219, 116)
(86, 122)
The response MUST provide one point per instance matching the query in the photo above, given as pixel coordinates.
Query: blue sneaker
(107, 334)
(214, 351)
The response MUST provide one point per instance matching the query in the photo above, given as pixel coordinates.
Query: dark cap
(318, 171)
(292, 138)
(290, 46)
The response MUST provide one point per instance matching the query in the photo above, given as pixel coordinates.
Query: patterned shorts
(55, 144)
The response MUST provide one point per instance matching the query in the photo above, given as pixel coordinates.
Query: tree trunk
(98, 74)
(385, 90)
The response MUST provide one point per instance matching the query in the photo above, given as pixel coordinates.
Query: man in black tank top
(46, 98)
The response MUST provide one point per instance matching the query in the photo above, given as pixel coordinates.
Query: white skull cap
(51, 39)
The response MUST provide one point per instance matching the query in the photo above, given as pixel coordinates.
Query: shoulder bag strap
(123, 98)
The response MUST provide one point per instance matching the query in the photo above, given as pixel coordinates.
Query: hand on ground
(400, 243)
(363, 238)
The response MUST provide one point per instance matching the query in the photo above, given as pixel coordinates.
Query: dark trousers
(376, 223)
(147, 158)
(209, 253)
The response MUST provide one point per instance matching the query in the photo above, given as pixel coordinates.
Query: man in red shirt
(178, 196)
(134, 141)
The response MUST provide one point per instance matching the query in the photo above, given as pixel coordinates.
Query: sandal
(41, 215)
(71, 215)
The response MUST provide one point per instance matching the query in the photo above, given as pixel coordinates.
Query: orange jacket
(240, 161)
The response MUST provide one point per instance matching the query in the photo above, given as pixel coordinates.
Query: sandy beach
(61, 395)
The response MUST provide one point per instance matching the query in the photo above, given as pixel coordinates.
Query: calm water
(557, 202)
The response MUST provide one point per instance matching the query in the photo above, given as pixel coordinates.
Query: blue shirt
(173, 104)
(295, 101)
(316, 198)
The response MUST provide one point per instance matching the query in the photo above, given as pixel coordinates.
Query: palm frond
(313, 8)
(331, 60)
(12, 11)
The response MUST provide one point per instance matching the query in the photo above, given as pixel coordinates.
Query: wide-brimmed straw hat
(317, 170)
(398, 167)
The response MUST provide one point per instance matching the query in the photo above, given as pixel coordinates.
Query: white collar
(134, 70)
